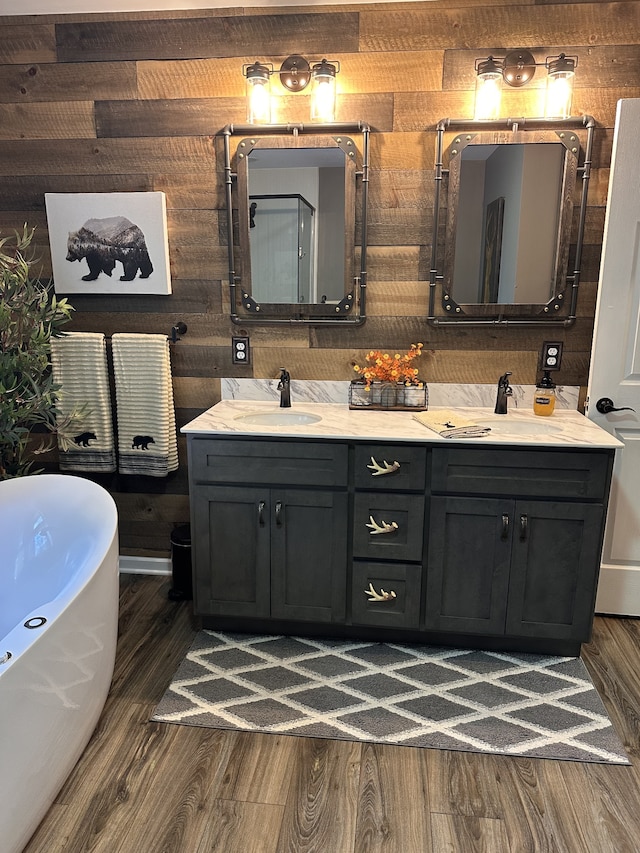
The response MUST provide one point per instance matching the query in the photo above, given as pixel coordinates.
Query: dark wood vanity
(483, 546)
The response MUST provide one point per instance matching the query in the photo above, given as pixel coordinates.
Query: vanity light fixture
(258, 87)
(561, 74)
(295, 74)
(516, 69)
(488, 88)
(323, 92)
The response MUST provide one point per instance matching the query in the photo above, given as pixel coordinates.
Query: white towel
(79, 367)
(147, 441)
(449, 424)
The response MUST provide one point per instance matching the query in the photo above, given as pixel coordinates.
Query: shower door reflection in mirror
(282, 242)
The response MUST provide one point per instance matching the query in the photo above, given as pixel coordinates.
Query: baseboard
(618, 591)
(145, 565)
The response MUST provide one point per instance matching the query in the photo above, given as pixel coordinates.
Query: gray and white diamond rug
(413, 695)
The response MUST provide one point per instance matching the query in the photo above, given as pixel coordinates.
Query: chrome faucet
(284, 387)
(504, 390)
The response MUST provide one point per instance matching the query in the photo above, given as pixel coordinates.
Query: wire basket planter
(388, 396)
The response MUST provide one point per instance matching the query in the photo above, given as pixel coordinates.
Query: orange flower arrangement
(381, 367)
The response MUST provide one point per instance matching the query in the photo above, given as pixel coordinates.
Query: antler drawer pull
(383, 527)
(383, 595)
(385, 468)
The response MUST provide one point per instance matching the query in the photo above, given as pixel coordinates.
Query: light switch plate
(240, 351)
(551, 355)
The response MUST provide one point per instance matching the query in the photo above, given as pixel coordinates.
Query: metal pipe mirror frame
(351, 310)
(561, 308)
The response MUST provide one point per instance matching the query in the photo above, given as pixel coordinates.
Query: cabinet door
(308, 555)
(555, 563)
(231, 550)
(468, 564)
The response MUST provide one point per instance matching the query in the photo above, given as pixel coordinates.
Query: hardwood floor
(145, 787)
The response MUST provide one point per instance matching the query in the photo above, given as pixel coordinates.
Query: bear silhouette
(97, 264)
(84, 438)
(141, 442)
(102, 242)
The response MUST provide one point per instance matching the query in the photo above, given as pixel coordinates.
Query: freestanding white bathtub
(58, 624)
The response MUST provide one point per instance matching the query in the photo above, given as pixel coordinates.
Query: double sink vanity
(318, 519)
(354, 523)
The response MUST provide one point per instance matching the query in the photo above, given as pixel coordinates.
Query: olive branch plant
(30, 315)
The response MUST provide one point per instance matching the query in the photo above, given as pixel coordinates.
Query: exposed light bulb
(323, 94)
(258, 94)
(260, 109)
(559, 87)
(488, 90)
(324, 102)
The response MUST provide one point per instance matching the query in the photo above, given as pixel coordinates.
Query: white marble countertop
(565, 428)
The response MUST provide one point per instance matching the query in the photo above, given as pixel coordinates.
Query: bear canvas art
(102, 242)
(109, 242)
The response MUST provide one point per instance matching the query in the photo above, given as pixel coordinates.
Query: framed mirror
(298, 197)
(511, 247)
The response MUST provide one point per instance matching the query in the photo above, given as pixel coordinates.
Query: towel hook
(179, 328)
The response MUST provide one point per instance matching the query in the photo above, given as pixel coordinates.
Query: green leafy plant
(30, 315)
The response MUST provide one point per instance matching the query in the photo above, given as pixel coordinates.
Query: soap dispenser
(544, 399)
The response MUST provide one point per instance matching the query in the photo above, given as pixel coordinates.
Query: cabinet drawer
(403, 516)
(252, 462)
(390, 467)
(521, 473)
(400, 611)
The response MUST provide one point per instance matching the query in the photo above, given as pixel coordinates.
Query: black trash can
(182, 589)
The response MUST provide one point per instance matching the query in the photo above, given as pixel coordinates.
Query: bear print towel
(449, 424)
(147, 441)
(79, 367)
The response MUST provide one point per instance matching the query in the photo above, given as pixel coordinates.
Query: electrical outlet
(240, 352)
(551, 355)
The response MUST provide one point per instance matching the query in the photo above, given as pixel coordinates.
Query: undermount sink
(283, 418)
(514, 425)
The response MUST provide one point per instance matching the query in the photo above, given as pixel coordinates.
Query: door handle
(524, 525)
(383, 527)
(505, 527)
(261, 513)
(279, 513)
(605, 405)
(378, 470)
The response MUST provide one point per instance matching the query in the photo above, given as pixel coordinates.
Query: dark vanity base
(486, 547)
(530, 645)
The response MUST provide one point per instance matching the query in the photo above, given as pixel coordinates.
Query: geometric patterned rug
(413, 695)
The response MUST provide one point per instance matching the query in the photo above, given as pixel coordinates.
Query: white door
(615, 366)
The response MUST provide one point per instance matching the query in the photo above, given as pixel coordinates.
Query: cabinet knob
(378, 597)
(279, 513)
(383, 527)
(261, 513)
(377, 470)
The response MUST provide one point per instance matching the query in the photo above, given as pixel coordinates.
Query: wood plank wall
(131, 102)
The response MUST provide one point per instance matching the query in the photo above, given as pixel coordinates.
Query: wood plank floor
(145, 787)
